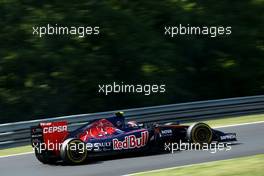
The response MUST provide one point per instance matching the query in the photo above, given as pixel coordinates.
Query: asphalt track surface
(250, 142)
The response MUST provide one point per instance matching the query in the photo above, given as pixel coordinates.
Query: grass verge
(244, 166)
(234, 120)
(15, 150)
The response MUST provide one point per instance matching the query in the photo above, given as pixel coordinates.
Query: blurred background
(59, 75)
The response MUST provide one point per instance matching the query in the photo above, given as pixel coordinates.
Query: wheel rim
(202, 134)
(76, 152)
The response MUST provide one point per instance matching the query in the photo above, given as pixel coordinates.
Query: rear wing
(49, 136)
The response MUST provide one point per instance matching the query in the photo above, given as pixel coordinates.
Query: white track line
(178, 167)
(195, 164)
(241, 124)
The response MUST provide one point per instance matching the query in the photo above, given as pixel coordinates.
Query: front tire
(73, 151)
(200, 133)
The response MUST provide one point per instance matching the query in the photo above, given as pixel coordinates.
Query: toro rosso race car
(53, 142)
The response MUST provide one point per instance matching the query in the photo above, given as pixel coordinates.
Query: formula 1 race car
(53, 142)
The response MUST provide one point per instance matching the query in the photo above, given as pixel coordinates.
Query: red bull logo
(131, 141)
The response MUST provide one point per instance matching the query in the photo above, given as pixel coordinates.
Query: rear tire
(200, 133)
(73, 151)
(45, 158)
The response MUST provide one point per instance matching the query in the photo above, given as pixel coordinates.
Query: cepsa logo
(131, 141)
(52, 129)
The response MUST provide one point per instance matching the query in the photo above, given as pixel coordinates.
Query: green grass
(213, 123)
(15, 150)
(234, 120)
(244, 166)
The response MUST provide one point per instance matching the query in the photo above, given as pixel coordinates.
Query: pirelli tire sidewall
(194, 130)
(66, 155)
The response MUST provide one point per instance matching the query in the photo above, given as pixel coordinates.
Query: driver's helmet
(119, 114)
(132, 124)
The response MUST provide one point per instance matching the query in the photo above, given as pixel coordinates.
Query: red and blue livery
(53, 141)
